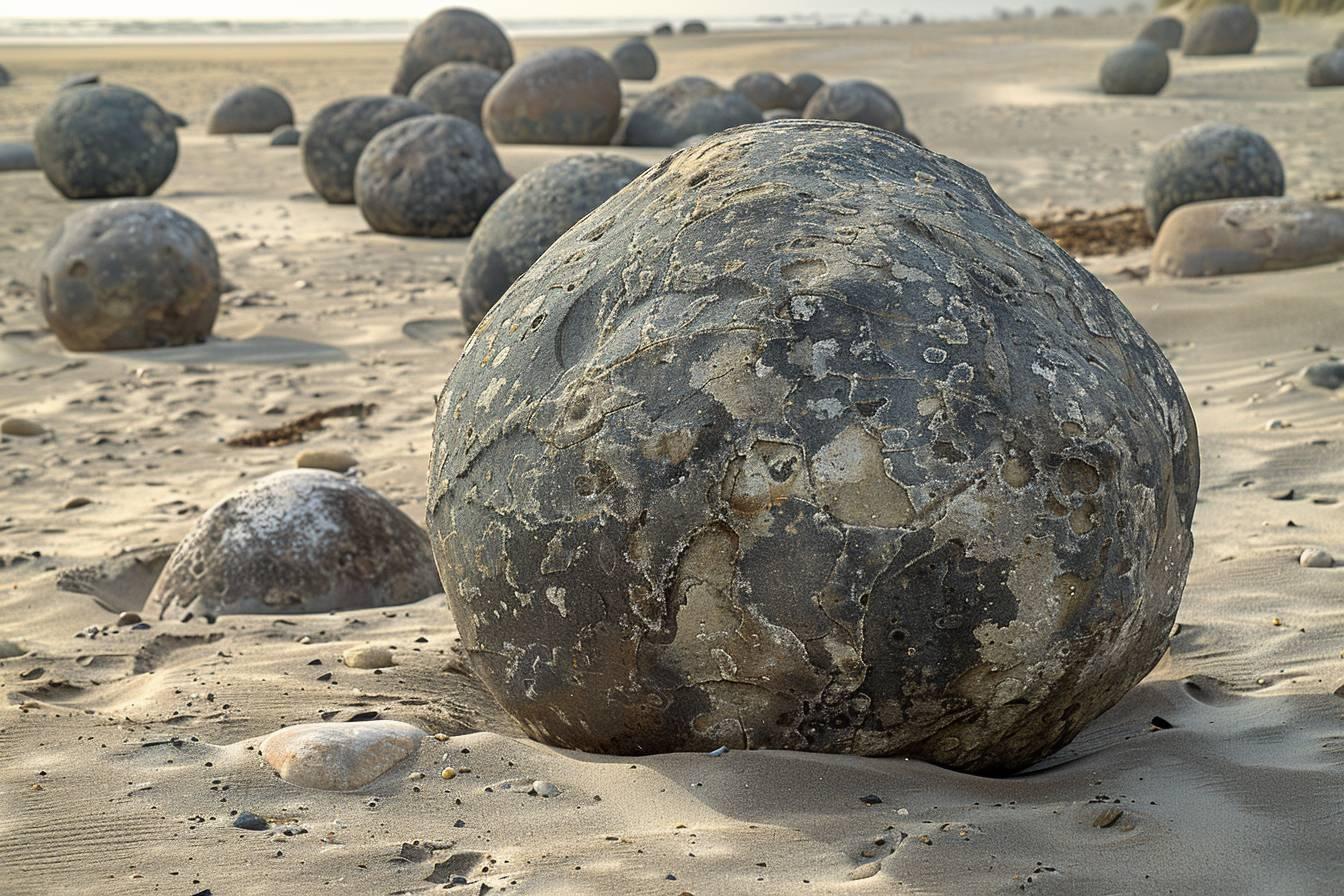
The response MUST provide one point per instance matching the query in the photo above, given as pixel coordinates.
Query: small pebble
(1316, 558)
(865, 871)
(367, 657)
(76, 502)
(1276, 424)
(720, 751)
(127, 619)
(545, 789)
(1107, 818)
(249, 822)
(323, 459)
(21, 426)
(449, 774)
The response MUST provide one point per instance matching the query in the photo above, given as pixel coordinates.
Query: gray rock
(18, 157)
(1223, 31)
(568, 95)
(83, 79)
(339, 756)
(858, 101)
(765, 90)
(255, 109)
(802, 87)
(179, 121)
(531, 215)
(1165, 31)
(286, 135)
(9, 650)
(634, 60)
(1326, 69)
(1244, 236)
(250, 821)
(694, 26)
(1325, 374)
(1209, 161)
(664, 29)
(717, 474)
(335, 138)
(1141, 68)
(5, 78)
(456, 88)
(432, 175)
(298, 541)
(1316, 558)
(452, 35)
(684, 108)
(102, 142)
(130, 274)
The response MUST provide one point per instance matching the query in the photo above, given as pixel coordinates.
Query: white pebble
(545, 789)
(1316, 558)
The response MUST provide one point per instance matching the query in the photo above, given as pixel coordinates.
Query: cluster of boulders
(1143, 69)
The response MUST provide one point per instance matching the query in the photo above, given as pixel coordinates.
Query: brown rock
(1243, 236)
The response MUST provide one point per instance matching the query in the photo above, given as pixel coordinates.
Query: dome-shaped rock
(339, 755)
(452, 35)
(634, 60)
(101, 142)
(335, 138)
(1165, 31)
(1245, 236)
(128, 275)
(298, 541)
(806, 440)
(1209, 161)
(664, 29)
(250, 110)
(456, 88)
(568, 95)
(858, 101)
(765, 90)
(684, 108)
(802, 87)
(1141, 68)
(1223, 31)
(1326, 69)
(694, 26)
(432, 175)
(286, 135)
(531, 215)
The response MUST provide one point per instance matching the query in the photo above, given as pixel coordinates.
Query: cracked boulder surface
(298, 541)
(805, 440)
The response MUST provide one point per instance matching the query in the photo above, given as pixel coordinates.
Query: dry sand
(122, 755)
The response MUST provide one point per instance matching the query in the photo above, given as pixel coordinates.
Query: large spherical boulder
(104, 141)
(694, 26)
(806, 440)
(802, 87)
(1223, 31)
(684, 108)
(1209, 161)
(130, 274)
(432, 175)
(765, 90)
(1141, 68)
(531, 215)
(299, 541)
(1246, 236)
(634, 60)
(568, 95)
(857, 101)
(250, 110)
(1326, 69)
(452, 35)
(338, 134)
(456, 88)
(1165, 31)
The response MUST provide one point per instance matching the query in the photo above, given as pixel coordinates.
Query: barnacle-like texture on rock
(104, 141)
(805, 440)
(452, 35)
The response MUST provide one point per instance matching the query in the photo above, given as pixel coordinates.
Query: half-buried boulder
(286, 135)
(452, 35)
(1326, 69)
(256, 109)
(568, 95)
(334, 140)
(694, 26)
(1244, 236)
(298, 541)
(131, 274)
(1209, 161)
(531, 215)
(339, 756)
(684, 108)
(456, 88)
(1165, 31)
(1223, 31)
(18, 156)
(802, 87)
(858, 101)
(765, 90)
(634, 60)
(104, 141)
(1142, 68)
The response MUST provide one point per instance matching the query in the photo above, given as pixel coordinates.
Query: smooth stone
(179, 121)
(21, 426)
(76, 502)
(128, 619)
(1326, 69)
(684, 108)
(286, 135)
(1140, 69)
(1209, 161)
(857, 101)
(254, 109)
(865, 871)
(1325, 374)
(634, 60)
(694, 26)
(765, 90)
(333, 459)
(9, 650)
(456, 88)
(1244, 236)
(544, 789)
(1223, 31)
(367, 657)
(1316, 558)
(338, 135)
(249, 821)
(1165, 31)
(452, 35)
(802, 87)
(18, 157)
(339, 755)
(565, 96)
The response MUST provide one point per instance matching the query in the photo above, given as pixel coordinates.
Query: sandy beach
(122, 752)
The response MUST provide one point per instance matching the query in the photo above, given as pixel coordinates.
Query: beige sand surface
(121, 756)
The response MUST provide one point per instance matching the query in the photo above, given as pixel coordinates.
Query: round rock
(432, 175)
(18, 157)
(664, 29)
(1209, 161)
(1223, 31)
(339, 755)
(456, 88)
(101, 142)
(1316, 558)
(531, 215)
(802, 87)
(286, 135)
(367, 656)
(256, 109)
(21, 427)
(694, 26)
(765, 90)
(1141, 68)
(1245, 236)
(334, 140)
(298, 541)
(568, 95)
(689, 493)
(452, 35)
(634, 60)
(130, 274)
(684, 108)
(1165, 31)
(858, 101)
(1326, 69)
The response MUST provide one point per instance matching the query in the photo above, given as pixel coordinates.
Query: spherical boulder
(806, 440)
(256, 109)
(568, 95)
(130, 274)
(1247, 236)
(1326, 69)
(765, 90)
(694, 26)
(298, 541)
(1209, 161)
(1223, 31)
(664, 29)
(857, 101)
(1140, 69)
(802, 87)
(456, 88)
(452, 35)
(684, 108)
(531, 215)
(338, 134)
(102, 142)
(431, 175)
(634, 60)
(1165, 31)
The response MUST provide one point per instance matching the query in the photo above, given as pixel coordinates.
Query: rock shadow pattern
(806, 440)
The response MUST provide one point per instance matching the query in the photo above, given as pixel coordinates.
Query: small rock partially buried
(333, 459)
(1227, 30)
(1245, 236)
(1165, 31)
(286, 135)
(1316, 558)
(694, 26)
(1325, 374)
(255, 109)
(250, 821)
(634, 60)
(456, 88)
(338, 134)
(569, 95)
(22, 427)
(367, 656)
(1326, 69)
(452, 35)
(858, 101)
(1209, 161)
(18, 157)
(1140, 69)
(685, 108)
(340, 756)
